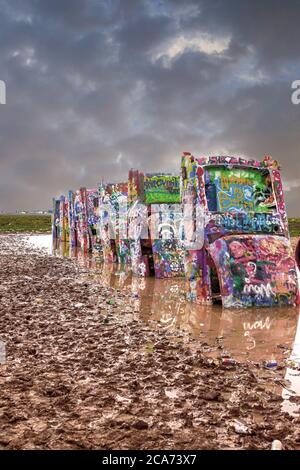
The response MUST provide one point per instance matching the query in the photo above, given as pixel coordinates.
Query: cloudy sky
(95, 87)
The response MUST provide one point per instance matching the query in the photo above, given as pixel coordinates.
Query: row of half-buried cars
(222, 224)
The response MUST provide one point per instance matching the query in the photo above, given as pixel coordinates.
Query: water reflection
(40, 242)
(246, 334)
(292, 376)
(257, 334)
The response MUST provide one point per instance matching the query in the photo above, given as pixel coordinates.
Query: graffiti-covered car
(60, 220)
(112, 230)
(154, 217)
(298, 254)
(239, 251)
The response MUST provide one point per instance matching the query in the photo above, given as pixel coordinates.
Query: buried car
(154, 216)
(112, 222)
(298, 254)
(236, 235)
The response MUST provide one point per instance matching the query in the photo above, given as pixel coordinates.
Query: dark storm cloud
(97, 87)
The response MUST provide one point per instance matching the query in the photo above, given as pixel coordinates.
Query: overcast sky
(95, 87)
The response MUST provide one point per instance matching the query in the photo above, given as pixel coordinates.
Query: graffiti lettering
(238, 197)
(258, 325)
(161, 189)
(226, 182)
(247, 223)
(261, 290)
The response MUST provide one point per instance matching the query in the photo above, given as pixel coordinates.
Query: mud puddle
(95, 359)
(247, 335)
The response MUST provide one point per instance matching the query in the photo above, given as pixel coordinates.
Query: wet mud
(96, 361)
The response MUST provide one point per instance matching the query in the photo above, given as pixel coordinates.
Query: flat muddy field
(91, 364)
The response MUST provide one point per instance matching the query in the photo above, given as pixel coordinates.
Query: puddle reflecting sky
(41, 241)
(246, 334)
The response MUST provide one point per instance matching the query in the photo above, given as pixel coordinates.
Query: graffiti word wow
(2, 92)
(258, 325)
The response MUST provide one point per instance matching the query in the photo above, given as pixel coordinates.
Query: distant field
(42, 223)
(25, 223)
(294, 226)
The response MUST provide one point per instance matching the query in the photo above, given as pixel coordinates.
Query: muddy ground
(83, 372)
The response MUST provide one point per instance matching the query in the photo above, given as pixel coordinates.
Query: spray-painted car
(81, 219)
(240, 251)
(298, 254)
(92, 202)
(55, 219)
(60, 220)
(112, 229)
(154, 216)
